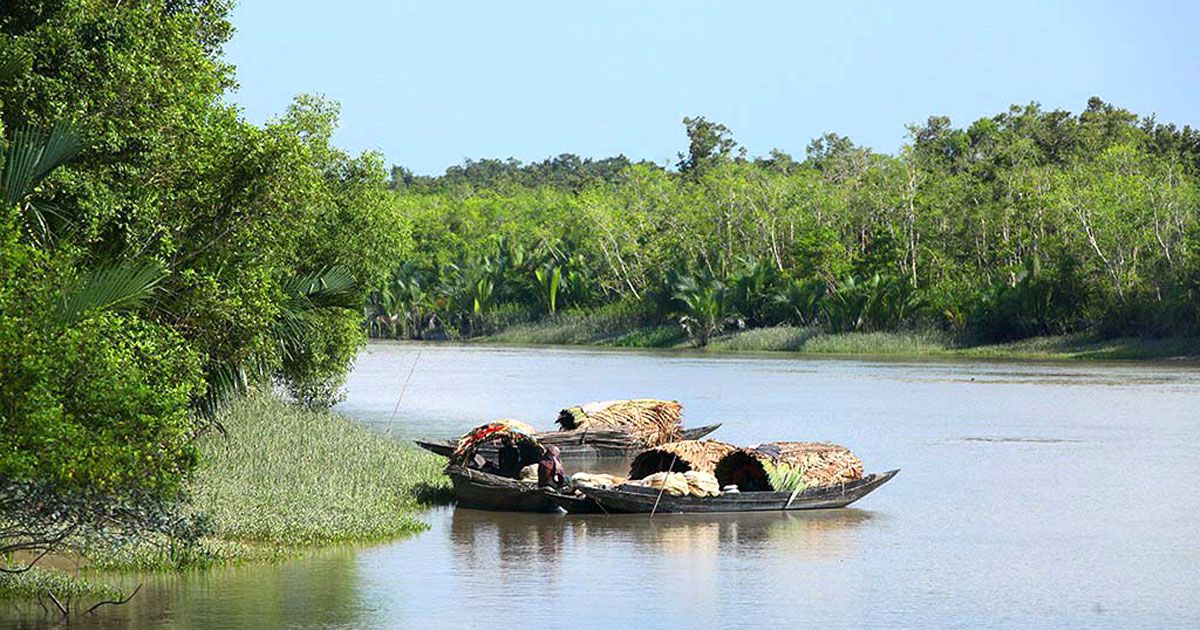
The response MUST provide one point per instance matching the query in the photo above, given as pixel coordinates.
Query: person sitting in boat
(509, 458)
(550, 469)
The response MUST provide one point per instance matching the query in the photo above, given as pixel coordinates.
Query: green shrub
(101, 407)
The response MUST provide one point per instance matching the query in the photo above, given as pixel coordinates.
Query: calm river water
(1031, 494)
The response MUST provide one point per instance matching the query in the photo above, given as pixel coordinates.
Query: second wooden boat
(579, 443)
(638, 500)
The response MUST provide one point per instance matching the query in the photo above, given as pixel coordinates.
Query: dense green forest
(1030, 222)
(159, 256)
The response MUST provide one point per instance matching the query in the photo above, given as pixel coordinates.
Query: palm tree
(32, 154)
(802, 299)
(706, 304)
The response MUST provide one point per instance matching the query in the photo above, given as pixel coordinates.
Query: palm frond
(48, 221)
(289, 331)
(331, 286)
(224, 382)
(124, 286)
(33, 154)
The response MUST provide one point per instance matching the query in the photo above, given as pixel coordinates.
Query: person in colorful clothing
(550, 469)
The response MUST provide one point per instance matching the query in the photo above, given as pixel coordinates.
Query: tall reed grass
(295, 477)
(571, 328)
(283, 479)
(37, 581)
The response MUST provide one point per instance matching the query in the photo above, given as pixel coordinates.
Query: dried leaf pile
(786, 466)
(652, 422)
(682, 456)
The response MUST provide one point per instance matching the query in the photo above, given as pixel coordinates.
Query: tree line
(1029, 222)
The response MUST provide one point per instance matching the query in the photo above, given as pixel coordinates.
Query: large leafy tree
(158, 253)
(234, 213)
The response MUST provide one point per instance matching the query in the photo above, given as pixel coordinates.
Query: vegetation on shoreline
(160, 256)
(1026, 224)
(572, 330)
(37, 582)
(296, 478)
(286, 479)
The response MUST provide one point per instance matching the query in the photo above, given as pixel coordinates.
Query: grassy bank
(283, 480)
(600, 330)
(296, 477)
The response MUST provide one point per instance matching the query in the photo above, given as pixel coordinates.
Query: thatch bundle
(786, 466)
(653, 422)
(682, 456)
(702, 484)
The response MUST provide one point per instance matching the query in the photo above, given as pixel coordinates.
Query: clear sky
(431, 83)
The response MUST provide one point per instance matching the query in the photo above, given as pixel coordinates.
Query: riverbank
(597, 330)
(281, 481)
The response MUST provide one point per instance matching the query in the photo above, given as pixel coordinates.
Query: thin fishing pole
(403, 388)
(664, 486)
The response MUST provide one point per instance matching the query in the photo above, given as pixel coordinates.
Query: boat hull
(485, 491)
(637, 500)
(573, 444)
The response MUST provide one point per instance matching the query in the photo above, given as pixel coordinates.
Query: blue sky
(429, 84)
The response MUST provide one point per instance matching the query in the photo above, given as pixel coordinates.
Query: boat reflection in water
(677, 564)
(512, 543)
(809, 534)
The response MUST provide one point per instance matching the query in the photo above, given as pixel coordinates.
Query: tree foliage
(1025, 223)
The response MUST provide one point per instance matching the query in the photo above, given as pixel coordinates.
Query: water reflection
(515, 543)
(668, 566)
(798, 535)
(321, 590)
(508, 548)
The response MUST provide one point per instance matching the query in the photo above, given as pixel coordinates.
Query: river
(1031, 494)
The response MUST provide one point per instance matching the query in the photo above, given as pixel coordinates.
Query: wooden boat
(579, 443)
(636, 499)
(478, 489)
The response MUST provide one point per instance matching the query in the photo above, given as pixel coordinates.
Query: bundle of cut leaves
(654, 422)
(677, 484)
(682, 456)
